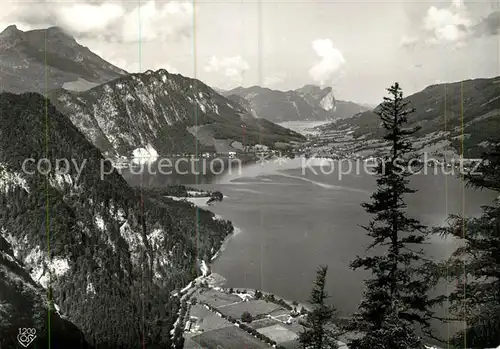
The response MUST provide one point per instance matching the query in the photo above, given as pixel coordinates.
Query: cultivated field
(191, 344)
(208, 321)
(254, 307)
(278, 333)
(216, 298)
(264, 323)
(229, 338)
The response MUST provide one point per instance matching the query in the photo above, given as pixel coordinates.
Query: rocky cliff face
(110, 254)
(23, 304)
(308, 103)
(41, 60)
(166, 112)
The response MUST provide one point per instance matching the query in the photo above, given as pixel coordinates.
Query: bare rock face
(166, 112)
(108, 251)
(308, 103)
(328, 102)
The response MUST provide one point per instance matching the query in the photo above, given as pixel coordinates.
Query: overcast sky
(358, 47)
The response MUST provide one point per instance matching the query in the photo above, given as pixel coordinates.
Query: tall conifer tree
(319, 330)
(476, 263)
(396, 296)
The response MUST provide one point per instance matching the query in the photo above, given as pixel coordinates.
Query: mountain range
(308, 103)
(168, 112)
(118, 112)
(45, 59)
(77, 247)
(467, 110)
(90, 261)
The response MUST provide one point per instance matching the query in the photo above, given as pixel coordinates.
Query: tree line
(396, 309)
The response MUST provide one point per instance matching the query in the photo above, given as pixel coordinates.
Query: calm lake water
(290, 221)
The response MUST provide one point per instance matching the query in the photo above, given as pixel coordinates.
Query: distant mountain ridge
(121, 113)
(46, 59)
(168, 112)
(308, 103)
(439, 109)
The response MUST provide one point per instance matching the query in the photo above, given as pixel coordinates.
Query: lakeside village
(433, 150)
(212, 316)
(236, 150)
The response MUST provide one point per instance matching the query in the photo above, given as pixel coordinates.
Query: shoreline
(224, 244)
(201, 202)
(218, 282)
(285, 308)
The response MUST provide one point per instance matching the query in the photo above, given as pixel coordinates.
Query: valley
(143, 206)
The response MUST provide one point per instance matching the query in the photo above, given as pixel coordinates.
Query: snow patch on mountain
(200, 202)
(13, 241)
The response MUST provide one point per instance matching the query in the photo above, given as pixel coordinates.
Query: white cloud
(330, 64)
(151, 21)
(129, 66)
(443, 26)
(81, 18)
(447, 24)
(233, 67)
(10, 14)
(116, 22)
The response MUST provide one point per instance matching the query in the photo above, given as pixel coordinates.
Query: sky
(358, 47)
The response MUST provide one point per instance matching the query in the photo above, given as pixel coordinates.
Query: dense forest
(125, 251)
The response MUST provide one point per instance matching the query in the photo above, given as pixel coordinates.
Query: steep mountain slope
(110, 254)
(279, 106)
(324, 97)
(439, 108)
(168, 112)
(309, 102)
(23, 304)
(36, 60)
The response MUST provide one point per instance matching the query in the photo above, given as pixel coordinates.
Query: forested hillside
(105, 250)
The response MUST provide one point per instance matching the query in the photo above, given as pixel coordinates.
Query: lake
(292, 220)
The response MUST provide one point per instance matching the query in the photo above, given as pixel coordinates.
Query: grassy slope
(439, 108)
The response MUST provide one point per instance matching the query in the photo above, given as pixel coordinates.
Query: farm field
(229, 338)
(254, 307)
